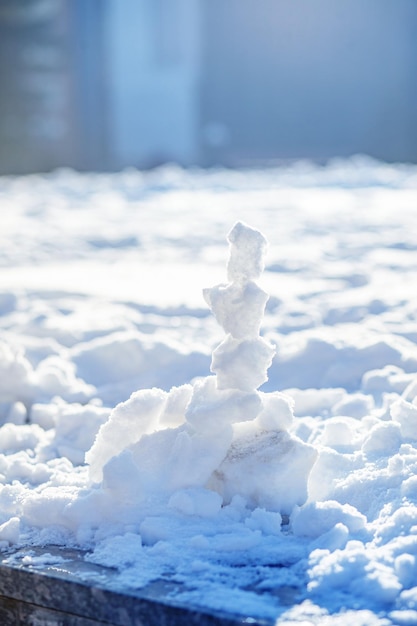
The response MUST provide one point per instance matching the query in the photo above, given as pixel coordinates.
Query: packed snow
(210, 378)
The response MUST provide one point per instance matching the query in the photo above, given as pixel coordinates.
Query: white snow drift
(231, 483)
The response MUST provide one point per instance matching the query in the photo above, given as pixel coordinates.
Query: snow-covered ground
(305, 483)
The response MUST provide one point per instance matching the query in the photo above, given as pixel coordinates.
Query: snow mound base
(219, 433)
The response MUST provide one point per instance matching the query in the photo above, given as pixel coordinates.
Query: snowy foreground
(119, 292)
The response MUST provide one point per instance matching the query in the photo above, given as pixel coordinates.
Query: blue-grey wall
(104, 84)
(302, 78)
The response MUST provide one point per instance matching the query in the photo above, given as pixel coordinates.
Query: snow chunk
(173, 459)
(238, 308)
(127, 423)
(242, 364)
(247, 250)
(212, 409)
(316, 518)
(269, 469)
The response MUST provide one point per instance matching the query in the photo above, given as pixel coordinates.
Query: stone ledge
(73, 592)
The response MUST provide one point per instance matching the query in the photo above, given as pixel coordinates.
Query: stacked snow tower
(264, 463)
(220, 437)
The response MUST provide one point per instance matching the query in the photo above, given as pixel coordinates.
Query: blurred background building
(105, 84)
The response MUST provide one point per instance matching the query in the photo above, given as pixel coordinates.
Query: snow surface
(126, 343)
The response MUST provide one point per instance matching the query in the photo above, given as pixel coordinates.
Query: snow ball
(242, 364)
(238, 308)
(200, 502)
(247, 251)
(316, 518)
(405, 414)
